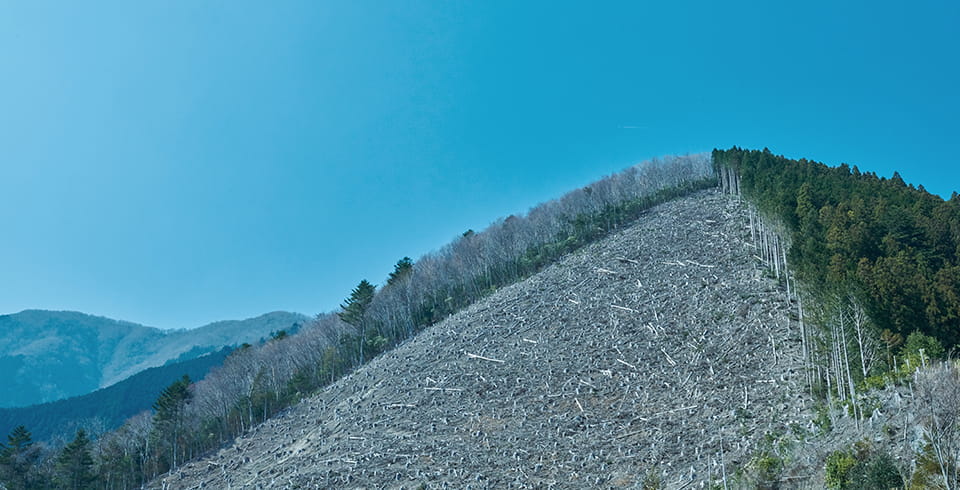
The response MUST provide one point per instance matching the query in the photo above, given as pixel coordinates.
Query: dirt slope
(639, 353)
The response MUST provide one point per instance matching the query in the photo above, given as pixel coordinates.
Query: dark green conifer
(74, 467)
(169, 419)
(402, 269)
(19, 458)
(354, 312)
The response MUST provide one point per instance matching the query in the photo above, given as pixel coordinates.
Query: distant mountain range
(51, 355)
(107, 408)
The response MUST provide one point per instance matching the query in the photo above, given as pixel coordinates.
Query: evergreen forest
(896, 247)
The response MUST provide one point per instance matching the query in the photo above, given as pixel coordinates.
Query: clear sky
(178, 162)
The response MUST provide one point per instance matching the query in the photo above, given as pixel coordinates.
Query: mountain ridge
(107, 408)
(58, 354)
(653, 350)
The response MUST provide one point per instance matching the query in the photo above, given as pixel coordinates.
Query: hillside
(51, 355)
(107, 408)
(893, 245)
(663, 348)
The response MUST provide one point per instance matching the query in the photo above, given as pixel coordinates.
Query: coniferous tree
(168, 420)
(402, 269)
(354, 312)
(74, 467)
(18, 459)
(356, 305)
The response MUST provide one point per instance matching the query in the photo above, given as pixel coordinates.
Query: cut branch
(482, 358)
(625, 363)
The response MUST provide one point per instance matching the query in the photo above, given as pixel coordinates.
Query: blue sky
(178, 162)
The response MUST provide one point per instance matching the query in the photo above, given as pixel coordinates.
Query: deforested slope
(661, 350)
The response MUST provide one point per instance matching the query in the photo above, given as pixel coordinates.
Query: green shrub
(863, 468)
(839, 464)
(926, 473)
(876, 382)
(879, 472)
(822, 420)
(764, 470)
(918, 350)
(652, 481)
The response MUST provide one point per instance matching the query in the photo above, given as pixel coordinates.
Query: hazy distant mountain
(50, 355)
(106, 408)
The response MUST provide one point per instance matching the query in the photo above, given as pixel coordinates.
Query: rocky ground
(663, 351)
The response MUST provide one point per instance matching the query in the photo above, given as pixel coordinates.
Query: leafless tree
(868, 343)
(937, 395)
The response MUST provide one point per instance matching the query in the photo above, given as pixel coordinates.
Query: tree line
(873, 264)
(257, 381)
(876, 263)
(895, 246)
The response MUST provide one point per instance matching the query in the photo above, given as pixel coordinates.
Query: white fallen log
(482, 358)
(625, 363)
(669, 359)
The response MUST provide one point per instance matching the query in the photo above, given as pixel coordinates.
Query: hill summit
(661, 352)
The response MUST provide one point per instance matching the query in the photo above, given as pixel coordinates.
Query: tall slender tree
(168, 420)
(354, 312)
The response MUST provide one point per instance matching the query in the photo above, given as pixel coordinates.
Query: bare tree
(938, 396)
(867, 340)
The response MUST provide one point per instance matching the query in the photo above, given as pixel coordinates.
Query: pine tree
(356, 305)
(354, 310)
(18, 459)
(402, 269)
(897, 180)
(75, 464)
(169, 419)
(19, 440)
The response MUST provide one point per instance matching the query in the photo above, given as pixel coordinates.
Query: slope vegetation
(894, 246)
(660, 352)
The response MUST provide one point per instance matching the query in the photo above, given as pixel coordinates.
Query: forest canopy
(895, 245)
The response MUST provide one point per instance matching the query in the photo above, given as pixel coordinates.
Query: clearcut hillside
(663, 350)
